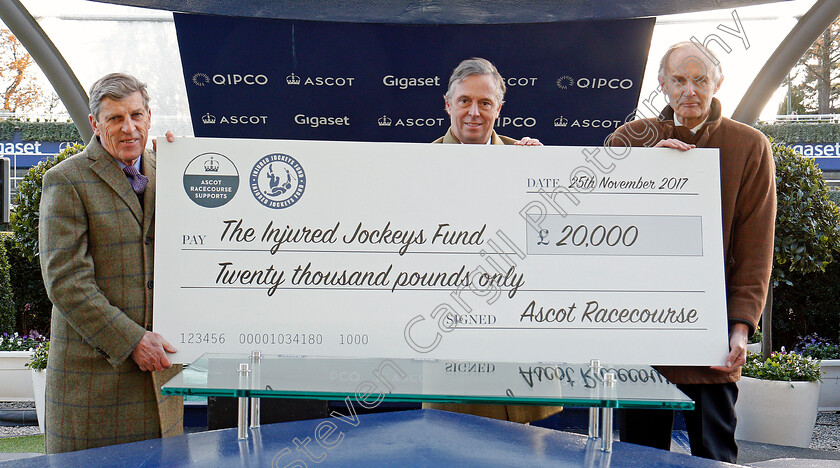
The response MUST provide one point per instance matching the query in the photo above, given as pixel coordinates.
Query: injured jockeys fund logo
(211, 180)
(277, 181)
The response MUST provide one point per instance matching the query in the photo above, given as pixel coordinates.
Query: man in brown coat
(96, 246)
(690, 75)
(473, 101)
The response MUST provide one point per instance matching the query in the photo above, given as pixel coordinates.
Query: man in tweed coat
(96, 246)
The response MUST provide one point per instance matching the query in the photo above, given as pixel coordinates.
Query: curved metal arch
(775, 70)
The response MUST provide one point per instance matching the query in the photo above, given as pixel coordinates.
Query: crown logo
(561, 121)
(211, 165)
(208, 118)
(293, 79)
(565, 82)
(384, 121)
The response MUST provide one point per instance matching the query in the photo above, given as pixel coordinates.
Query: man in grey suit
(97, 246)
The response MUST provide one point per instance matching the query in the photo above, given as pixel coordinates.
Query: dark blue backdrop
(570, 83)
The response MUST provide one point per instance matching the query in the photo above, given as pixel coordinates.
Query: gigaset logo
(202, 79)
(410, 82)
(566, 82)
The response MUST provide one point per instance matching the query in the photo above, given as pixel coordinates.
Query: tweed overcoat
(516, 413)
(96, 248)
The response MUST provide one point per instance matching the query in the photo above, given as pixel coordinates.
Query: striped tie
(138, 180)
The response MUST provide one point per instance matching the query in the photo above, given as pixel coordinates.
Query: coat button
(147, 240)
(149, 327)
(150, 284)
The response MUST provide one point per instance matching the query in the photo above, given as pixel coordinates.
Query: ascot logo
(295, 80)
(201, 79)
(386, 121)
(521, 81)
(566, 82)
(586, 123)
(210, 119)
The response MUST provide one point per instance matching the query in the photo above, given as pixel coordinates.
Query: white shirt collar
(694, 130)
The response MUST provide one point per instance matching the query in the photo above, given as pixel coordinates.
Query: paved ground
(824, 451)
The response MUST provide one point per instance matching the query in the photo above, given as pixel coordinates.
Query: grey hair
(476, 66)
(716, 67)
(116, 86)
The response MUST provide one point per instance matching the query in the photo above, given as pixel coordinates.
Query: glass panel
(369, 381)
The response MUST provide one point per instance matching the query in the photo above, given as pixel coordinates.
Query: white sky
(84, 30)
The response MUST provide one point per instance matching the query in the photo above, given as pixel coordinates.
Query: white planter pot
(15, 383)
(754, 347)
(776, 412)
(830, 388)
(39, 388)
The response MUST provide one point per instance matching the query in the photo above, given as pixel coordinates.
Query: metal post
(242, 423)
(594, 412)
(607, 416)
(256, 357)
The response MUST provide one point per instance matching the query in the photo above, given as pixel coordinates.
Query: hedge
(7, 301)
(798, 132)
(40, 131)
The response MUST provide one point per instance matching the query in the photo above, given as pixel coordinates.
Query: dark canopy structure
(440, 11)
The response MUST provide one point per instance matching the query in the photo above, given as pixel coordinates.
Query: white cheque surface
(464, 252)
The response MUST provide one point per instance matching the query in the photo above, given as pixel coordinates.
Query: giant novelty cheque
(472, 252)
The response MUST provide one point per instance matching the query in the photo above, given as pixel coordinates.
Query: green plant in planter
(818, 348)
(38, 360)
(781, 365)
(24, 220)
(756, 337)
(807, 221)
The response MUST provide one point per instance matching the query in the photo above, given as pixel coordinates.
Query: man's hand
(737, 348)
(526, 141)
(170, 137)
(674, 143)
(150, 353)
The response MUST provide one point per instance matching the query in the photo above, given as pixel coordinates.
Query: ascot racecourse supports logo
(277, 181)
(201, 79)
(566, 82)
(386, 121)
(295, 80)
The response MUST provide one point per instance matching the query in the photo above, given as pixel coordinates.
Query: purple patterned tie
(138, 180)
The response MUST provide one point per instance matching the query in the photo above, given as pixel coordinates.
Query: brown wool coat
(748, 207)
(516, 413)
(97, 247)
